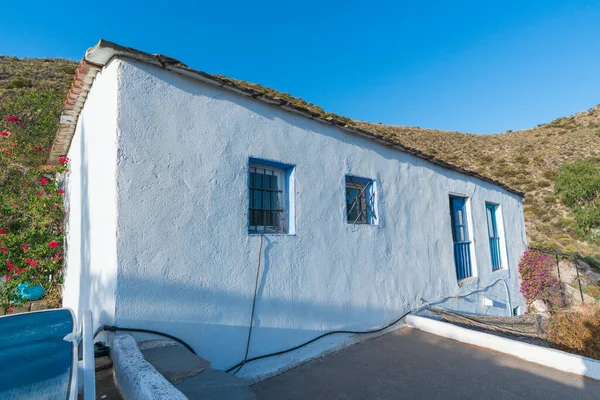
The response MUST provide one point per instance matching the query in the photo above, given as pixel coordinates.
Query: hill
(527, 160)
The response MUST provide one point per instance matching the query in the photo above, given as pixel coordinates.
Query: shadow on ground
(415, 365)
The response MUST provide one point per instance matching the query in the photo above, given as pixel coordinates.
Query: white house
(192, 197)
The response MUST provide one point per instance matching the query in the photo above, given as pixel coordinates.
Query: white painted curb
(556, 359)
(136, 378)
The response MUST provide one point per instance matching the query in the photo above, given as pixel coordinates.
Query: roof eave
(103, 52)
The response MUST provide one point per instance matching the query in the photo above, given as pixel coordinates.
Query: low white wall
(540, 355)
(135, 378)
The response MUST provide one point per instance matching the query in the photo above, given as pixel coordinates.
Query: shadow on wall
(215, 323)
(84, 229)
(92, 289)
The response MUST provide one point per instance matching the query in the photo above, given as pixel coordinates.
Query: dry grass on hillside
(527, 160)
(35, 74)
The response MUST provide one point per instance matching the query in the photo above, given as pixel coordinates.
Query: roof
(100, 55)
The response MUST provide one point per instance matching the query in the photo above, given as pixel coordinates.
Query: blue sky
(473, 66)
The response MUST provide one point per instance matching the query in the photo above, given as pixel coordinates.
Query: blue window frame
(270, 205)
(491, 211)
(360, 200)
(460, 235)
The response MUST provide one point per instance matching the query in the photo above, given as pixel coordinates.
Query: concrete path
(192, 375)
(410, 364)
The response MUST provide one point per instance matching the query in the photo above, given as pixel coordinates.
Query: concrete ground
(412, 364)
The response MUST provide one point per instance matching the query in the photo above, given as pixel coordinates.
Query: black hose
(253, 307)
(239, 365)
(110, 328)
(247, 360)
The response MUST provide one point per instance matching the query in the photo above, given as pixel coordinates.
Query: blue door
(491, 210)
(460, 234)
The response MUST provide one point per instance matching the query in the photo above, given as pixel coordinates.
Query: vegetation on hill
(527, 160)
(31, 213)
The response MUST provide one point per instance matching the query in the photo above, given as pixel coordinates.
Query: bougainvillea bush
(538, 281)
(31, 211)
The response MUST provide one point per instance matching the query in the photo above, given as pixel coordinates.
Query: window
(360, 200)
(491, 211)
(516, 311)
(268, 191)
(460, 235)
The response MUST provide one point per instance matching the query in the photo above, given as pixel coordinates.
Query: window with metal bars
(360, 200)
(494, 235)
(267, 190)
(460, 235)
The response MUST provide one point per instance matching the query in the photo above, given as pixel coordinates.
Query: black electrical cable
(247, 360)
(253, 307)
(314, 340)
(111, 328)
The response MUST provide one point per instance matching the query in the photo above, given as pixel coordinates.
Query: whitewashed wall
(187, 264)
(91, 258)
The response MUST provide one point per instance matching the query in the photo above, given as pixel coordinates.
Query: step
(214, 384)
(173, 361)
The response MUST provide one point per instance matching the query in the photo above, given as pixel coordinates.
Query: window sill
(357, 224)
(270, 234)
(466, 281)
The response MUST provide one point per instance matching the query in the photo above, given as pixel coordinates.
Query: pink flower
(13, 118)
(4, 133)
(2, 231)
(7, 277)
(44, 181)
(25, 247)
(39, 194)
(63, 160)
(4, 249)
(53, 245)
(60, 191)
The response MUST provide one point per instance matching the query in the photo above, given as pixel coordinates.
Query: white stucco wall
(187, 265)
(91, 258)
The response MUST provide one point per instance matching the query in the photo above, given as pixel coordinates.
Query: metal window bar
(494, 238)
(266, 211)
(462, 244)
(495, 252)
(362, 202)
(462, 259)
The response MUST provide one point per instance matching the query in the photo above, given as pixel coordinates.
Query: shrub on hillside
(538, 281)
(576, 331)
(578, 185)
(31, 212)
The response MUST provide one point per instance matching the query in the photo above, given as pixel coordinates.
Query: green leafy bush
(578, 185)
(31, 211)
